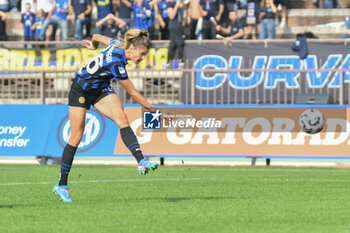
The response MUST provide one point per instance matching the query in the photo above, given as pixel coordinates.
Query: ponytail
(137, 38)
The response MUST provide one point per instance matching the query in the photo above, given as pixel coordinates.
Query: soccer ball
(311, 121)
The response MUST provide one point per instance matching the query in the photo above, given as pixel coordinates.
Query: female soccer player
(91, 86)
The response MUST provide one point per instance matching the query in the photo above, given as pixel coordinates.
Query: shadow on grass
(78, 201)
(178, 199)
(11, 206)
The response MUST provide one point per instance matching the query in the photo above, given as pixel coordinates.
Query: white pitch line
(187, 162)
(259, 169)
(114, 181)
(183, 179)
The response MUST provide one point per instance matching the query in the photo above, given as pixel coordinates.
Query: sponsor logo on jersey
(121, 70)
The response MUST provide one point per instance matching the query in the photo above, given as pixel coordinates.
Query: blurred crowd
(190, 19)
(164, 19)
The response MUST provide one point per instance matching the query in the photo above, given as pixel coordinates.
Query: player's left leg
(112, 107)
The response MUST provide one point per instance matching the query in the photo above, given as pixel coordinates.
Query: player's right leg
(77, 122)
(145, 165)
(112, 107)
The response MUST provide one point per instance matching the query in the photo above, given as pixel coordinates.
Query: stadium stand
(303, 16)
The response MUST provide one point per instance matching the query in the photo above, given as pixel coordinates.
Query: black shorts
(81, 98)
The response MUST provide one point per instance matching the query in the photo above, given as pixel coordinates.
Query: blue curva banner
(236, 86)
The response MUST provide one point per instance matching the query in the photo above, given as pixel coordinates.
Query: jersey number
(95, 63)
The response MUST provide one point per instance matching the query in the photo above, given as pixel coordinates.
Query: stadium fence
(163, 86)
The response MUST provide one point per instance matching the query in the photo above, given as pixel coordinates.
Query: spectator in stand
(229, 5)
(104, 7)
(326, 4)
(28, 20)
(39, 22)
(194, 15)
(4, 5)
(163, 19)
(3, 17)
(150, 16)
(125, 14)
(57, 16)
(82, 11)
(235, 30)
(347, 30)
(212, 11)
(46, 6)
(218, 8)
(283, 4)
(110, 25)
(252, 17)
(176, 35)
(32, 4)
(267, 17)
(139, 15)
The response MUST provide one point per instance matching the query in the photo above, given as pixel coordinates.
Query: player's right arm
(130, 89)
(96, 40)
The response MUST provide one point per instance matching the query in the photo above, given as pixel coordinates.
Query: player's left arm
(96, 40)
(130, 89)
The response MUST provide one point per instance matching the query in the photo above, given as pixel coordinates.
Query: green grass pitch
(176, 199)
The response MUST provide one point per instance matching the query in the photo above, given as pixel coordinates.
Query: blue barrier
(31, 130)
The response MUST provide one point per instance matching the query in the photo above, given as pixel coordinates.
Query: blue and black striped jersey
(109, 63)
(139, 17)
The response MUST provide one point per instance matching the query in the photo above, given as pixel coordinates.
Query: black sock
(130, 141)
(66, 163)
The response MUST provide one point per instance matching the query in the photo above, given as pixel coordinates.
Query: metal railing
(166, 86)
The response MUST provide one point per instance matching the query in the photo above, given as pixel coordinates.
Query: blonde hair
(135, 37)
